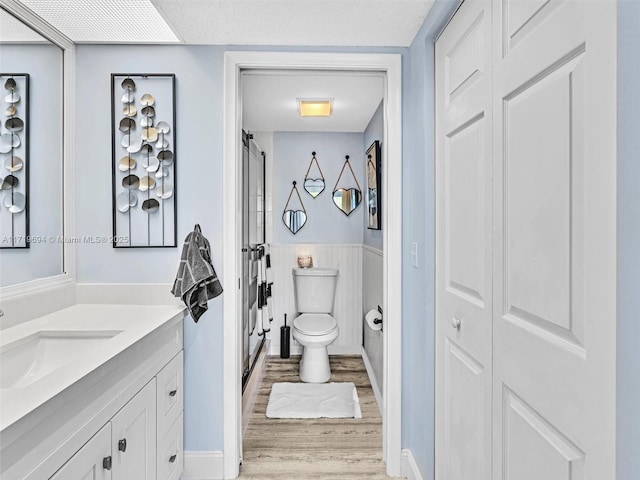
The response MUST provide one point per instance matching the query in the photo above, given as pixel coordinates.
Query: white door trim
(390, 65)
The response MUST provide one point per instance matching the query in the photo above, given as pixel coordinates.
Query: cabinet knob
(122, 445)
(172, 458)
(455, 323)
(173, 393)
(106, 463)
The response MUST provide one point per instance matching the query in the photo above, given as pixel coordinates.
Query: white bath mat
(313, 400)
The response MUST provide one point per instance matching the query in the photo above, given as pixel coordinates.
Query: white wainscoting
(348, 305)
(372, 296)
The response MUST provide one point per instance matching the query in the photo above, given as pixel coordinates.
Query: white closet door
(463, 246)
(554, 223)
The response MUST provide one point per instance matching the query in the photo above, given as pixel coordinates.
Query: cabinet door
(133, 439)
(92, 461)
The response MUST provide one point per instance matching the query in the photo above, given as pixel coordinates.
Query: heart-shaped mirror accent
(314, 187)
(294, 220)
(347, 199)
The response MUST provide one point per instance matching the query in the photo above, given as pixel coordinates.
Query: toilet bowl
(315, 328)
(315, 332)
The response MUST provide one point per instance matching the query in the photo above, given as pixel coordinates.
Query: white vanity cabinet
(120, 421)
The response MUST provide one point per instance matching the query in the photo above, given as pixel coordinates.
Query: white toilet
(315, 328)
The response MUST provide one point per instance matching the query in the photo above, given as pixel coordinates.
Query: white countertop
(133, 322)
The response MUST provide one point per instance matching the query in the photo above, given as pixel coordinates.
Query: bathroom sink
(28, 359)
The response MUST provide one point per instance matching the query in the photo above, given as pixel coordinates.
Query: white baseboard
(372, 378)
(409, 466)
(203, 466)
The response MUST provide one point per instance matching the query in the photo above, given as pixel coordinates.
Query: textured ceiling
(296, 22)
(237, 22)
(13, 30)
(269, 100)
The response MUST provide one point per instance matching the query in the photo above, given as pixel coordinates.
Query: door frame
(391, 66)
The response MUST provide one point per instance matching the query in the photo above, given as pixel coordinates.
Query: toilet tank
(314, 289)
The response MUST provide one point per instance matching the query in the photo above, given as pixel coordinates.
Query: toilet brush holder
(285, 339)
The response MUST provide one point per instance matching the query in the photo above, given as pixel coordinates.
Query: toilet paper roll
(371, 316)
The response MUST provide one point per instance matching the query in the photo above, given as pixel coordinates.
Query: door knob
(106, 463)
(456, 322)
(122, 445)
(173, 393)
(172, 458)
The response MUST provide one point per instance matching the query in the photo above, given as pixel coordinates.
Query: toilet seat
(315, 324)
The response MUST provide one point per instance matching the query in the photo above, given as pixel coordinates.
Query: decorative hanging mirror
(347, 199)
(294, 220)
(314, 186)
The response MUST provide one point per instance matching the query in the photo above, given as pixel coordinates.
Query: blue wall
(199, 162)
(418, 366)
(374, 131)
(628, 356)
(325, 223)
(199, 101)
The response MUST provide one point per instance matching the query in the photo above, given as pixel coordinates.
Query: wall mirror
(32, 170)
(347, 199)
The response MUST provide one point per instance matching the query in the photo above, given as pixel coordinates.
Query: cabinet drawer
(170, 394)
(170, 452)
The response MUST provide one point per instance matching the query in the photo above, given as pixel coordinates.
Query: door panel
(463, 246)
(554, 240)
(541, 129)
(535, 448)
(465, 212)
(464, 408)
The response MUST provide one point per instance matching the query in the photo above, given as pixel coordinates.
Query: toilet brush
(285, 332)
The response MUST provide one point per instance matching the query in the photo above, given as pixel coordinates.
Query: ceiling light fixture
(315, 108)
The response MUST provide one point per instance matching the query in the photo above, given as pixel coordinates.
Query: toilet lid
(315, 324)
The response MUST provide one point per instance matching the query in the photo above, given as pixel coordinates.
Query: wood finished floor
(296, 449)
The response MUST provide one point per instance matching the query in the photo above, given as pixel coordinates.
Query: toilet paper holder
(379, 320)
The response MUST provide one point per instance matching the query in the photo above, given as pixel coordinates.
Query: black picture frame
(18, 236)
(132, 228)
(374, 186)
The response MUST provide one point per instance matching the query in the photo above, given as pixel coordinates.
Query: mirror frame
(67, 278)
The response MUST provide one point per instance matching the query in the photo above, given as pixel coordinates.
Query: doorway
(390, 66)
